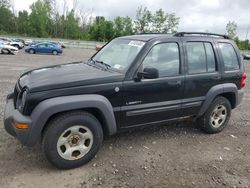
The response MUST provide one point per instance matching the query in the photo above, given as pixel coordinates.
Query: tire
(54, 52)
(31, 51)
(17, 46)
(76, 150)
(5, 51)
(216, 117)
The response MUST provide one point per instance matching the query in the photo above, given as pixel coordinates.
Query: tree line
(231, 29)
(44, 20)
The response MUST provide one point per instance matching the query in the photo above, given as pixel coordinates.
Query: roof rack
(182, 34)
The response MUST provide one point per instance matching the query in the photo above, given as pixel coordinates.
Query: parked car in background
(246, 56)
(19, 40)
(7, 49)
(11, 42)
(25, 42)
(28, 42)
(44, 47)
(59, 44)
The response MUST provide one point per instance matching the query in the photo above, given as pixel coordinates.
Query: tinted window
(229, 57)
(42, 46)
(201, 57)
(196, 57)
(51, 46)
(165, 58)
(210, 57)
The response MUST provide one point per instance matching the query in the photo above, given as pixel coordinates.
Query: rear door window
(200, 57)
(196, 57)
(229, 57)
(211, 65)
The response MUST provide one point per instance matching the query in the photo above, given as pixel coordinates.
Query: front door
(148, 101)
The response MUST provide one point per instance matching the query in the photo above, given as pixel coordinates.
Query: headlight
(22, 100)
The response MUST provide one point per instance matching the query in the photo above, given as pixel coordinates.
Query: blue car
(48, 48)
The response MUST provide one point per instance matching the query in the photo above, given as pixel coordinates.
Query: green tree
(128, 26)
(71, 26)
(172, 23)
(5, 3)
(40, 20)
(231, 28)
(143, 20)
(164, 23)
(123, 26)
(118, 26)
(101, 29)
(159, 21)
(7, 20)
(23, 22)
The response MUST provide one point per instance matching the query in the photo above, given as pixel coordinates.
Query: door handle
(217, 77)
(177, 83)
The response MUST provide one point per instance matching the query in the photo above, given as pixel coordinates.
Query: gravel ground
(166, 156)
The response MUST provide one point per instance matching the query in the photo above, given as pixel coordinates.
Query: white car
(7, 49)
(8, 41)
(28, 42)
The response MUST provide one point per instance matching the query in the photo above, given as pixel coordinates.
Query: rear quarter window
(229, 57)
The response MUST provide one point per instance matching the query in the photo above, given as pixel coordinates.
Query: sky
(195, 15)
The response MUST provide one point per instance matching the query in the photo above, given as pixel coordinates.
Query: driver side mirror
(148, 73)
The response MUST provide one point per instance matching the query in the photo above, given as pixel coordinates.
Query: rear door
(202, 72)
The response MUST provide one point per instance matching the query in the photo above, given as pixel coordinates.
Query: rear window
(229, 56)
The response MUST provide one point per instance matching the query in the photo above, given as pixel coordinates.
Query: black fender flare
(214, 92)
(50, 107)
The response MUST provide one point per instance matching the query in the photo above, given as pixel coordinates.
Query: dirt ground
(166, 156)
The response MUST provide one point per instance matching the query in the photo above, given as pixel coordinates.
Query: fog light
(21, 125)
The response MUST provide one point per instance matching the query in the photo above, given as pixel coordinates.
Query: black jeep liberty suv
(133, 81)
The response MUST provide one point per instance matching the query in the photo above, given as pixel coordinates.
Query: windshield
(119, 53)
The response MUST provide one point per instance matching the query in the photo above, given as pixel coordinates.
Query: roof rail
(154, 33)
(182, 34)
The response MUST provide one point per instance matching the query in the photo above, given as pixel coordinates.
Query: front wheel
(16, 46)
(5, 51)
(31, 51)
(216, 117)
(72, 139)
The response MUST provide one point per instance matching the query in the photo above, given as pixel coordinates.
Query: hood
(67, 75)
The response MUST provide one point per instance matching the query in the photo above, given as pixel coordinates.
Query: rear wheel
(54, 52)
(216, 117)
(72, 139)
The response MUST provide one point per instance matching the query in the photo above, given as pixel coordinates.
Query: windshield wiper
(102, 63)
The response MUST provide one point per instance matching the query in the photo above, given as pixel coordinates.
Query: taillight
(243, 80)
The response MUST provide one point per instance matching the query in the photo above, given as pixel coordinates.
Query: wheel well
(231, 97)
(94, 111)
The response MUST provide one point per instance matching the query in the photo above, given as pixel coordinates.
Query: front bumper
(11, 116)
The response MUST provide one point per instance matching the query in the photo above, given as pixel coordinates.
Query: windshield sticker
(136, 43)
(117, 66)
